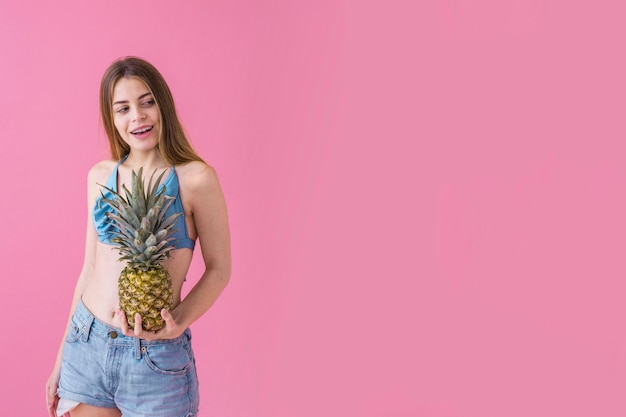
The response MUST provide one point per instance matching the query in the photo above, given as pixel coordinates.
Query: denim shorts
(104, 368)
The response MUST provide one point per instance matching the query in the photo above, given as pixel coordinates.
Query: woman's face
(135, 114)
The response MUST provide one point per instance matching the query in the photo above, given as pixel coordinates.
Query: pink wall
(427, 202)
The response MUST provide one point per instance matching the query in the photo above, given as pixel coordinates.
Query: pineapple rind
(147, 300)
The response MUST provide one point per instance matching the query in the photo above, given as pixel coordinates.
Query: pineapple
(143, 238)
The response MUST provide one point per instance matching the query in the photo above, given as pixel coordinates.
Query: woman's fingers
(51, 399)
(138, 330)
(169, 331)
(123, 322)
(168, 318)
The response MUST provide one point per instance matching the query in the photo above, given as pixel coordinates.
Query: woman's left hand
(170, 331)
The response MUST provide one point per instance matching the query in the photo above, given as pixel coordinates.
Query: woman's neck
(148, 160)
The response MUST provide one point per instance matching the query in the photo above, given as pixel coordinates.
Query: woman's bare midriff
(100, 295)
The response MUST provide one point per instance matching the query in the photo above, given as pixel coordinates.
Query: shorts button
(113, 335)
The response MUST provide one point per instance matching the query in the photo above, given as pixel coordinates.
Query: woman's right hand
(52, 399)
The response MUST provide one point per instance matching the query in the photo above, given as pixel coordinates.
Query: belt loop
(86, 328)
(137, 348)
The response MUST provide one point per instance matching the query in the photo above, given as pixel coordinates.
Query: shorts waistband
(113, 335)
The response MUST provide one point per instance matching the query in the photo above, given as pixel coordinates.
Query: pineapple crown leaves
(143, 233)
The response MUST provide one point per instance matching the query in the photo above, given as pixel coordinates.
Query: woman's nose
(138, 115)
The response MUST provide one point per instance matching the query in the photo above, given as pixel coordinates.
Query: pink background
(427, 198)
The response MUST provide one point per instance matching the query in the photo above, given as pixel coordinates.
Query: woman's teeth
(144, 130)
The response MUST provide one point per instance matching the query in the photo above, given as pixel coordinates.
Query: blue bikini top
(105, 228)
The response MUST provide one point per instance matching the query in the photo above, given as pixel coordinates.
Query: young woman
(104, 368)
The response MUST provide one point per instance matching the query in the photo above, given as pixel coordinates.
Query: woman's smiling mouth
(142, 130)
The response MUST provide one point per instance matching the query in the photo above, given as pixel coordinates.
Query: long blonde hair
(173, 143)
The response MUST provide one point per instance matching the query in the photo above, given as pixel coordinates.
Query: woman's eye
(122, 110)
(148, 103)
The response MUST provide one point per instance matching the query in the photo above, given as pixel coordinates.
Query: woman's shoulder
(196, 174)
(101, 170)
(196, 171)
